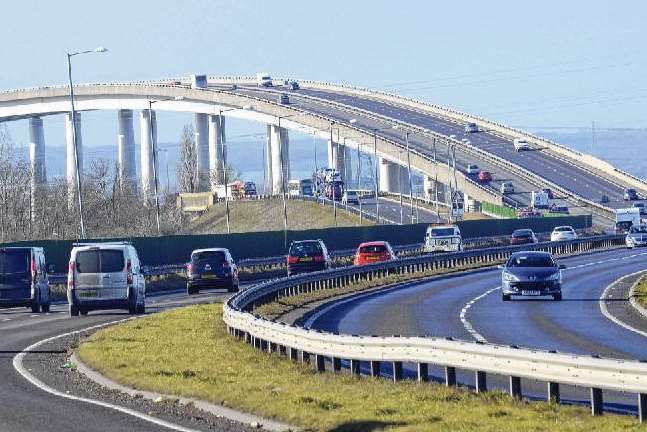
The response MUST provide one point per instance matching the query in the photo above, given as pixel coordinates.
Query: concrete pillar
(126, 158)
(389, 173)
(71, 161)
(333, 148)
(269, 179)
(36, 159)
(280, 154)
(202, 150)
(147, 120)
(340, 163)
(404, 179)
(349, 177)
(216, 149)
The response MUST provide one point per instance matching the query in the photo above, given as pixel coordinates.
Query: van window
(442, 232)
(14, 261)
(100, 261)
(306, 249)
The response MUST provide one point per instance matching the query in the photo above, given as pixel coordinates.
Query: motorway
(24, 407)
(469, 307)
(390, 211)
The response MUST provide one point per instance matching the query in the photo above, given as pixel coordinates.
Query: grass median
(188, 352)
(640, 292)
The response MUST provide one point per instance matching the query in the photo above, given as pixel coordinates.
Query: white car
(520, 144)
(507, 187)
(350, 197)
(471, 128)
(563, 233)
(473, 169)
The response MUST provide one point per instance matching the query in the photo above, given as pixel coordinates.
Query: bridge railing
(316, 347)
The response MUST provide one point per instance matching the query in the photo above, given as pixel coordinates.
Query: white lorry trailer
(626, 218)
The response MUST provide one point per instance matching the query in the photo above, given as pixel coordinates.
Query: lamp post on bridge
(77, 169)
(154, 153)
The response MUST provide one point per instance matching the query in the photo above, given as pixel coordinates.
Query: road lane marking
(608, 315)
(463, 315)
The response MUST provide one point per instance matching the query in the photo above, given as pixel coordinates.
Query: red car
(485, 176)
(371, 252)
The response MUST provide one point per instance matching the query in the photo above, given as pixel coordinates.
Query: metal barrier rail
(555, 368)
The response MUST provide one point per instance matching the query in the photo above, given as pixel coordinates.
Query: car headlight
(553, 277)
(509, 277)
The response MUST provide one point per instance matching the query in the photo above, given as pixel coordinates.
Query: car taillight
(129, 273)
(189, 268)
(225, 265)
(33, 268)
(292, 259)
(70, 275)
(319, 258)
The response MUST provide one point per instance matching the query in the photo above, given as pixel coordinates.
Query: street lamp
(99, 49)
(154, 153)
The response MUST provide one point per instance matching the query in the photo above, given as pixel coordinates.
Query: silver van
(23, 278)
(105, 276)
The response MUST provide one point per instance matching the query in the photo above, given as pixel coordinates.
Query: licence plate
(209, 276)
(531, 293)
(305, 259)
(89, 293)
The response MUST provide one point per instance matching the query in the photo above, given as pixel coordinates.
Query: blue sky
(549, 63)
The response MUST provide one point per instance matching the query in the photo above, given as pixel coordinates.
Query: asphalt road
(390, 211)
(469, 307)
(24, 407)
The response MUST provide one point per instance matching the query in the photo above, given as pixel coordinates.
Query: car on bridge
(473, 169)
(531, 274)
(372, 252)
(471, 128)
(559, 209)
(507, 187)
(211, 268)
(637, 236)
(307, 256)
(350, 197)
(485, 177)
(520, 144)
(641, 208)
(630, 195)
(562, 233)
(283, 99)
(292, 84)
(23, 278)
(523, 236)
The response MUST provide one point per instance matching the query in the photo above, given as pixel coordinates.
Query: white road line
(463, 315)
(606, 313)
(17, 364)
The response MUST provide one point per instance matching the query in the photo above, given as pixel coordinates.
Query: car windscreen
(14, 262)
(531, 261)
(442, 232)
(373, 249)
(642, 229)
(306, 249)
(563, 229)
(100, 261)
(209, 257)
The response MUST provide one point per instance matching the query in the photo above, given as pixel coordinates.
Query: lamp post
(77, 170)
(154, 153)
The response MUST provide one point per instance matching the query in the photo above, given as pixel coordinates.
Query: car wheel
(557, 297)
(141, 309)
(506, 297)
(45, 307)
(191, 290)
(35, 307)
(74, 310)
(83, 311)
(232, 287)
(132, 303)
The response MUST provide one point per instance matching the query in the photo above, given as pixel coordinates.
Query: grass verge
(188, 352)
(640, 292)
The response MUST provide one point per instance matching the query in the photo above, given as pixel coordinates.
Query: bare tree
(187, 179)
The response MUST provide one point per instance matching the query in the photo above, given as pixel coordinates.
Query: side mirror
(51, 268)
(562, 266)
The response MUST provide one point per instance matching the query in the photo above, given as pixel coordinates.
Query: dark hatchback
(522, 236)
(23, 278)
(211, 268)
(531, 274)
(307, 256)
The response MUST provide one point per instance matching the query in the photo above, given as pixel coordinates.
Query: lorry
(263, 79)
(626, 218)
(198, 81)
(539, 199)
(443, 238)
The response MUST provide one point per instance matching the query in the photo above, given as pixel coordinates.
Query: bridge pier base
(389, 175)
(71, 160)
(126, 158)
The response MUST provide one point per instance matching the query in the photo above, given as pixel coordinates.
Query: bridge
(399, 131)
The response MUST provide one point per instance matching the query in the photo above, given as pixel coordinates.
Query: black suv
(23, 278)
(211, 268)
(307, 256)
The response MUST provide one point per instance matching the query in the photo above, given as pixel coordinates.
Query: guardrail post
(642, 407)
(336, 364)
(375, 368)
(481, 382)
(515, 387)
(320, 363)
(248, 338)
(450, 376)
(271, 347)
(553, 392)
(596, 401)
(397, 371)
(282, 350)
(354, 367)
(423, 372)
(293, 353)
(305, 357)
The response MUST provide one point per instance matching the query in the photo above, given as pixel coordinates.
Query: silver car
(105, 276)
(637, 236)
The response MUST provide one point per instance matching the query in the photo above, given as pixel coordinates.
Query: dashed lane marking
(463, 315)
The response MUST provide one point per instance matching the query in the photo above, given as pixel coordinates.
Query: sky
(529, 64)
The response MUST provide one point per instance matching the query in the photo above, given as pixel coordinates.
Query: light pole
(336, 157)
(77, 170)
(154, 153)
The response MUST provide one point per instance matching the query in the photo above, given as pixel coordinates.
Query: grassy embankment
(267, 215)
(640, 292)
(188, 352)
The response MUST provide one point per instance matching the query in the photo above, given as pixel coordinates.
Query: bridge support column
(126, 159)
(202, 150)
(268, 177)
(403, 180)
(279, 149)
(389, 173)
(71, 161)
(217, 151)
(36, 159)
(147, 120)
(333, 149)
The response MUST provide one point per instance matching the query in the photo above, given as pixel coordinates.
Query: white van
(263, 79)
(198, 81)
(443, 238)
(105, 276)
(520, 144)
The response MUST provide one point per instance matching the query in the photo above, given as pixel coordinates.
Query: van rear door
(101, 274)
(15, 274)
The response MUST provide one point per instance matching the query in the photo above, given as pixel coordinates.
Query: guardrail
(555, 368)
